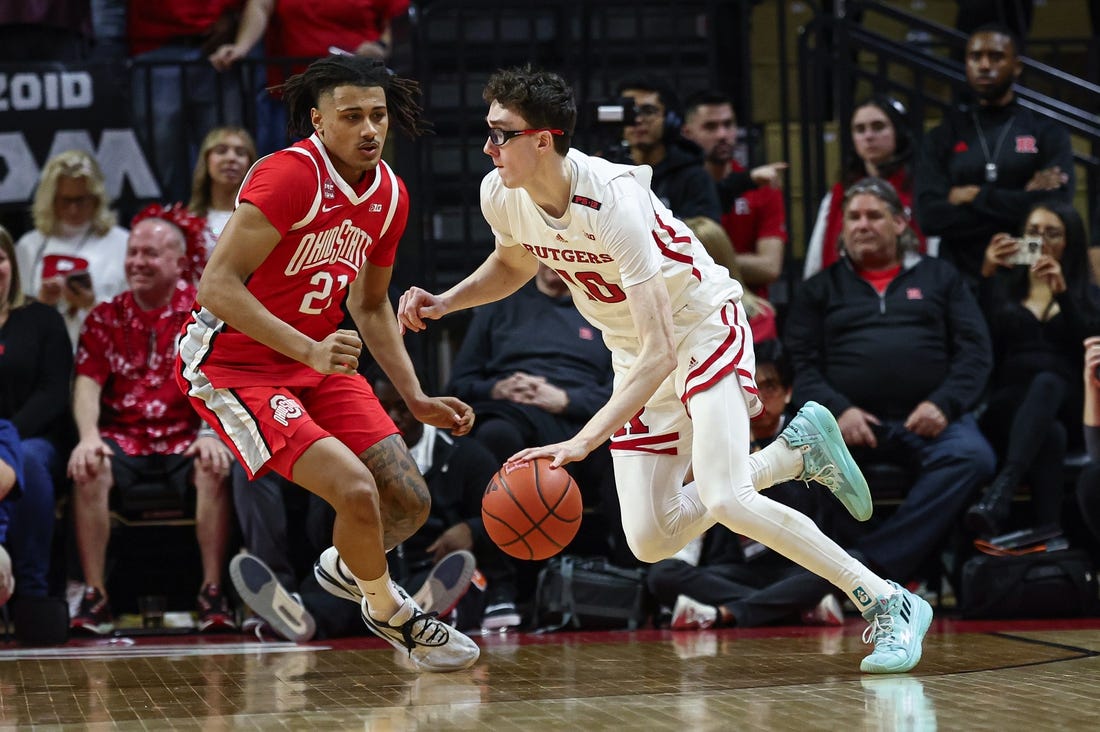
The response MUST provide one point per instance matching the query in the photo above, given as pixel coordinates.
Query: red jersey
(756, 214)
(130, 352)
(308, 29)
(329, 229)
(152, 24)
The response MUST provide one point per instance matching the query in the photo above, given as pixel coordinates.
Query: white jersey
(614, 234)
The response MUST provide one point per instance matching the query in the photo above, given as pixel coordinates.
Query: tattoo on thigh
(402, 493)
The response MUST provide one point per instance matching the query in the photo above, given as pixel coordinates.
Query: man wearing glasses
(679, 178)
(682, 353)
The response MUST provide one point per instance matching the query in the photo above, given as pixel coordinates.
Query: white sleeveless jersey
(614, 234)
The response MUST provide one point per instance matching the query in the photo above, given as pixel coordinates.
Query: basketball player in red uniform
(265, 363)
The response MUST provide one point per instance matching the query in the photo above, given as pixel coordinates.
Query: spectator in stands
(73, 258)
(135, 425)
(755, 217)
(654, 139)
(882, 147)
(36, 363)
(225, 155)
(986, 163)
(1039, 314)
(535, 371)
(895, 345)
(678, 177)
(733, 580)
(175, 99)
(306, 29)
(1088, 483)
(11, 480)
(53, 32)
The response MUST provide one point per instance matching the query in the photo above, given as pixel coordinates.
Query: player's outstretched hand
(338, 353)
(560, 453)
(416, 306)
(446, 413)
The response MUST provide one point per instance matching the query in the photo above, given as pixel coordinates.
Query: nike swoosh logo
(326, 209)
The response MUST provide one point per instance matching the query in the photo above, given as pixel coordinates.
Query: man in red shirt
(754, 217)
(265, 363)
(135, 426)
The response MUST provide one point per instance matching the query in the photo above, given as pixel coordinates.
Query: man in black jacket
(679, 178)
(895, 345)
(988, 162)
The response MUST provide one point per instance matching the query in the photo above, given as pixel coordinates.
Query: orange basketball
(531, 511)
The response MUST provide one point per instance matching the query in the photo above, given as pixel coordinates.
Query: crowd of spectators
(939, 346)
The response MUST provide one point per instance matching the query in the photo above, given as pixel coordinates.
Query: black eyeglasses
(498, 136)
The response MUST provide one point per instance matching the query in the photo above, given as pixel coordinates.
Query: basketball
(531, 511)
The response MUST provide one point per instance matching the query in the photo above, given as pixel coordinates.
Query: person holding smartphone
(1037, 299)
(73, 258)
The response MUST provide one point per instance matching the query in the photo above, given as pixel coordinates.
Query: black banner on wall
(46, 109)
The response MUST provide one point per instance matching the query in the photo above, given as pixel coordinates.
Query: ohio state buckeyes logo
(285, 408)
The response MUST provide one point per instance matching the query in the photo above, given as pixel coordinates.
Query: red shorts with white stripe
(719, 347)
(270, 427)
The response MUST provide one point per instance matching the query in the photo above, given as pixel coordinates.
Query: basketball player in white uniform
(682, 352)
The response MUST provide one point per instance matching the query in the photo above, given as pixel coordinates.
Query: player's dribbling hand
(338, 353)
(446, 413)
(416, 306)
(560, 453)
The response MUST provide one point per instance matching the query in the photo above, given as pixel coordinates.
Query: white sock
(382, 599)
(775, 464)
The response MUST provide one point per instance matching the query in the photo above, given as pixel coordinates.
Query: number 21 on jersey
(317, 300)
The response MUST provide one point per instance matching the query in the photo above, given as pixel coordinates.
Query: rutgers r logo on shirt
(285, 409)
(1026, 144)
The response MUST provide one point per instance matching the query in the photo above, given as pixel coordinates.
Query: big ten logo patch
(285, 409)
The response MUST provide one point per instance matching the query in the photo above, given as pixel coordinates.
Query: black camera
(621, 112)
(607, 120)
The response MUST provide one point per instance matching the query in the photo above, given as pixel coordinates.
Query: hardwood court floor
(1033, 676)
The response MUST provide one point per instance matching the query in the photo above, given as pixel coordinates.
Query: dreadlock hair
(302, 92)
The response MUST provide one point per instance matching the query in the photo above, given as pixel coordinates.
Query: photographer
(653, 136)
(1035, 295)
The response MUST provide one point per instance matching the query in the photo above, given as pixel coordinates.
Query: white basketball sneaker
(431, 644)
(333, 575)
